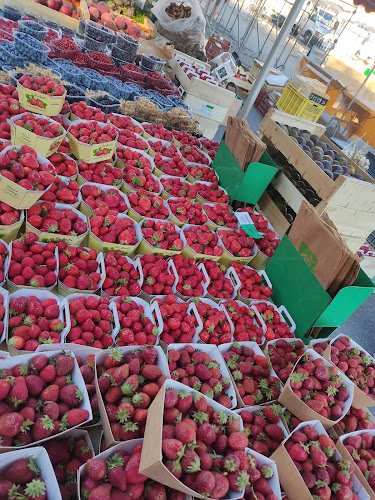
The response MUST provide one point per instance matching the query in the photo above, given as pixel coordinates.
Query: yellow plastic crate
(294, 103)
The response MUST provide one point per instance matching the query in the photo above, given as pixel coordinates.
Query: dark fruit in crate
(32, 264)
(203, 241)
(23, 168)
(95, 197)
(216, 328)
(112, 229)
(158, 279)
(190, 277)
(262, 429)
(85, 112)
(42, 127)
(186, 211)
(355, 363)
(65, 167)
(136, 377)
(105, 101)
(48, 219)
(136, 328)
(147, 204)
(196, 369)
(8, 215)
(33, 322)
(252, 375)
(162, 235)
(121, 275)
(220, 286)
(101, 173)
(245, 326)
(251, 283)
(178, 325)
(62, 192)
(91, 321)
(275, 327)
(41, 84)
(78, 267)
(284, 355)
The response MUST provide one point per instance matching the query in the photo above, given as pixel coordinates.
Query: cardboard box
(291, 480)
(254, 346)
(44, 146)
(17, 196)
(64, 290)
(295, 405)
(215, 355)
(103, 246)
(87, 210)
(42, 459)
(52, 105)
(151, 460)
(161, 362)
(10, 233)
(70, 240)
(77, 380)
(245, 145)
(360, 399)
(345, 454)
(41, 295)
(91, 153)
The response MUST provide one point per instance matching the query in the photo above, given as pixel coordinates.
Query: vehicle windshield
(324, 17)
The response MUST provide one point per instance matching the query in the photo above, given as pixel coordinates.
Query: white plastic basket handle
(117, 326)
(260, 319)
(284, 313)
(138, 266)
(155, 312)
(264, 275)
(192, 309)
(206, 279)
(233, 276)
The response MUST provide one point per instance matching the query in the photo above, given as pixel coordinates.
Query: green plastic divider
(296, 287)
(255, 181)
(228, 170)
(266, 158)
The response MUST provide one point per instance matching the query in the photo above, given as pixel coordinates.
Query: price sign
(247, 224)
(318, 99)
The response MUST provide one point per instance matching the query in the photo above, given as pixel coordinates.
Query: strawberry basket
(58, 194)
(175, 167)
(10, 232)
(17, 196)
(63, 290)
(103, 246)
(216, 248)
(150, 311)
(12, 287)
(164, 144)
(221, 329)
(144, 201)
(185, 283)
(185, 211)
(218, 194)
(44, 478)
(123, 355)
(78, 413)
(174, 247)
(278, 321)
(254, 283)
(215, 356)
(232, 276)
(59, 322)
(216, 210)
(4, 317)
(228, 256)
(133, 157)
(5, 260)
(253, 328)
(202, 173)
(190, 309)
(89, 210)
(140, 181)
(113, 321)
(122, 122)
(267, 391)
(44, 145)
(132, 140)
(117, 285)
(151, 282)
(176, 187)
(36, 101)
(283, 362)
(95, 152)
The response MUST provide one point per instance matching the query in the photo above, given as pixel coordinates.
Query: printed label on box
(40, 103)
(206, 110)
(44, 146)
(307, 255)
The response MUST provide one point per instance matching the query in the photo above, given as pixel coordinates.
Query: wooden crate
(43, 12)
(349, 202)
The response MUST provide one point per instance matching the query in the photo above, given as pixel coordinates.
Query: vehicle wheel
(307, 37)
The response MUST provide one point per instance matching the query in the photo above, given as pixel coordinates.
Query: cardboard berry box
(51, 105)
(87, 210)
(91, 153)
(10, 233)
(103, 246)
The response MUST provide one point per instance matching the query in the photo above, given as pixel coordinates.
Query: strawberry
(268, 243)
(171, 166)
(137, 327)
(185, 138)
(276, 328)
(251, 283)
(237, 243)
(179, 320)
(186, 211)
(64, 165)
(216, 327)
(211, 193)
(8, 215)
(202, 173)
(53, 219)
(163, 235)
(95, 196)
(91, 321)
(43, 84)
(356, 419)
(148, 205)
(193, 154)
(125, 123)
(79, 267)
(158, 277)
(101, 173)
(84, 112)
(243, 319)
(158, 131)
(176, 187)
(202, 240)
(283, 355)
(140, 179)
(121, 275)
(111, 228)
(190, 282)
(43, 127)
(62, 191)
(220, 215)
(130, 139)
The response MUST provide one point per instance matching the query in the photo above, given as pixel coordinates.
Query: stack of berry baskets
(143, 295)
(286, 323)
(259, 278)
(205, 281)
(137, 266)
(223, 348)
(208, 208)
(102, 246)
(213, 305)
(215, 355)
(12, 287)
(231, 274)
(4, 317)
(257, 321)
(10, 233)
(189, 252)
(41, 295)
(65, 305)
(191, 311)
(227, 257)
(146, 248)
(87, 210)
(65, 291)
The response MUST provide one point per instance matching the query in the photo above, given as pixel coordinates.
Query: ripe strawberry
(140, 179)
(8, 215)
(191, 280)
(202, 240)
(252, 376)
(212, 193)
(217, 329)
(171, 166)
(237, 242)
(251, 283)
(62, 191)
(201, 173)
(96, 196)
(43, 127)
(243, 319)
(132, 140)
(148, 205)
(283, 355)
(356, 419)
(268, 243)
(48, 217)
(220, 215)
(131, 158)
(176, 187)
(84, 112)
(276, 328)
(125, 123)
(158, 131)
(163, 235)
(158, 277)
(186, 211)
(121, 275)
(113, 228)
(101, 173)
(79, 267)
(64, 164)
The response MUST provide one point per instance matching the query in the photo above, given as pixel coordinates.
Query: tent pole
(271, 59)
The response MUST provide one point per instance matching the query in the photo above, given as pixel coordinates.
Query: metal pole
(271, 59)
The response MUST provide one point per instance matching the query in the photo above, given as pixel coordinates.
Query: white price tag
(243, 218)
(206, 110)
